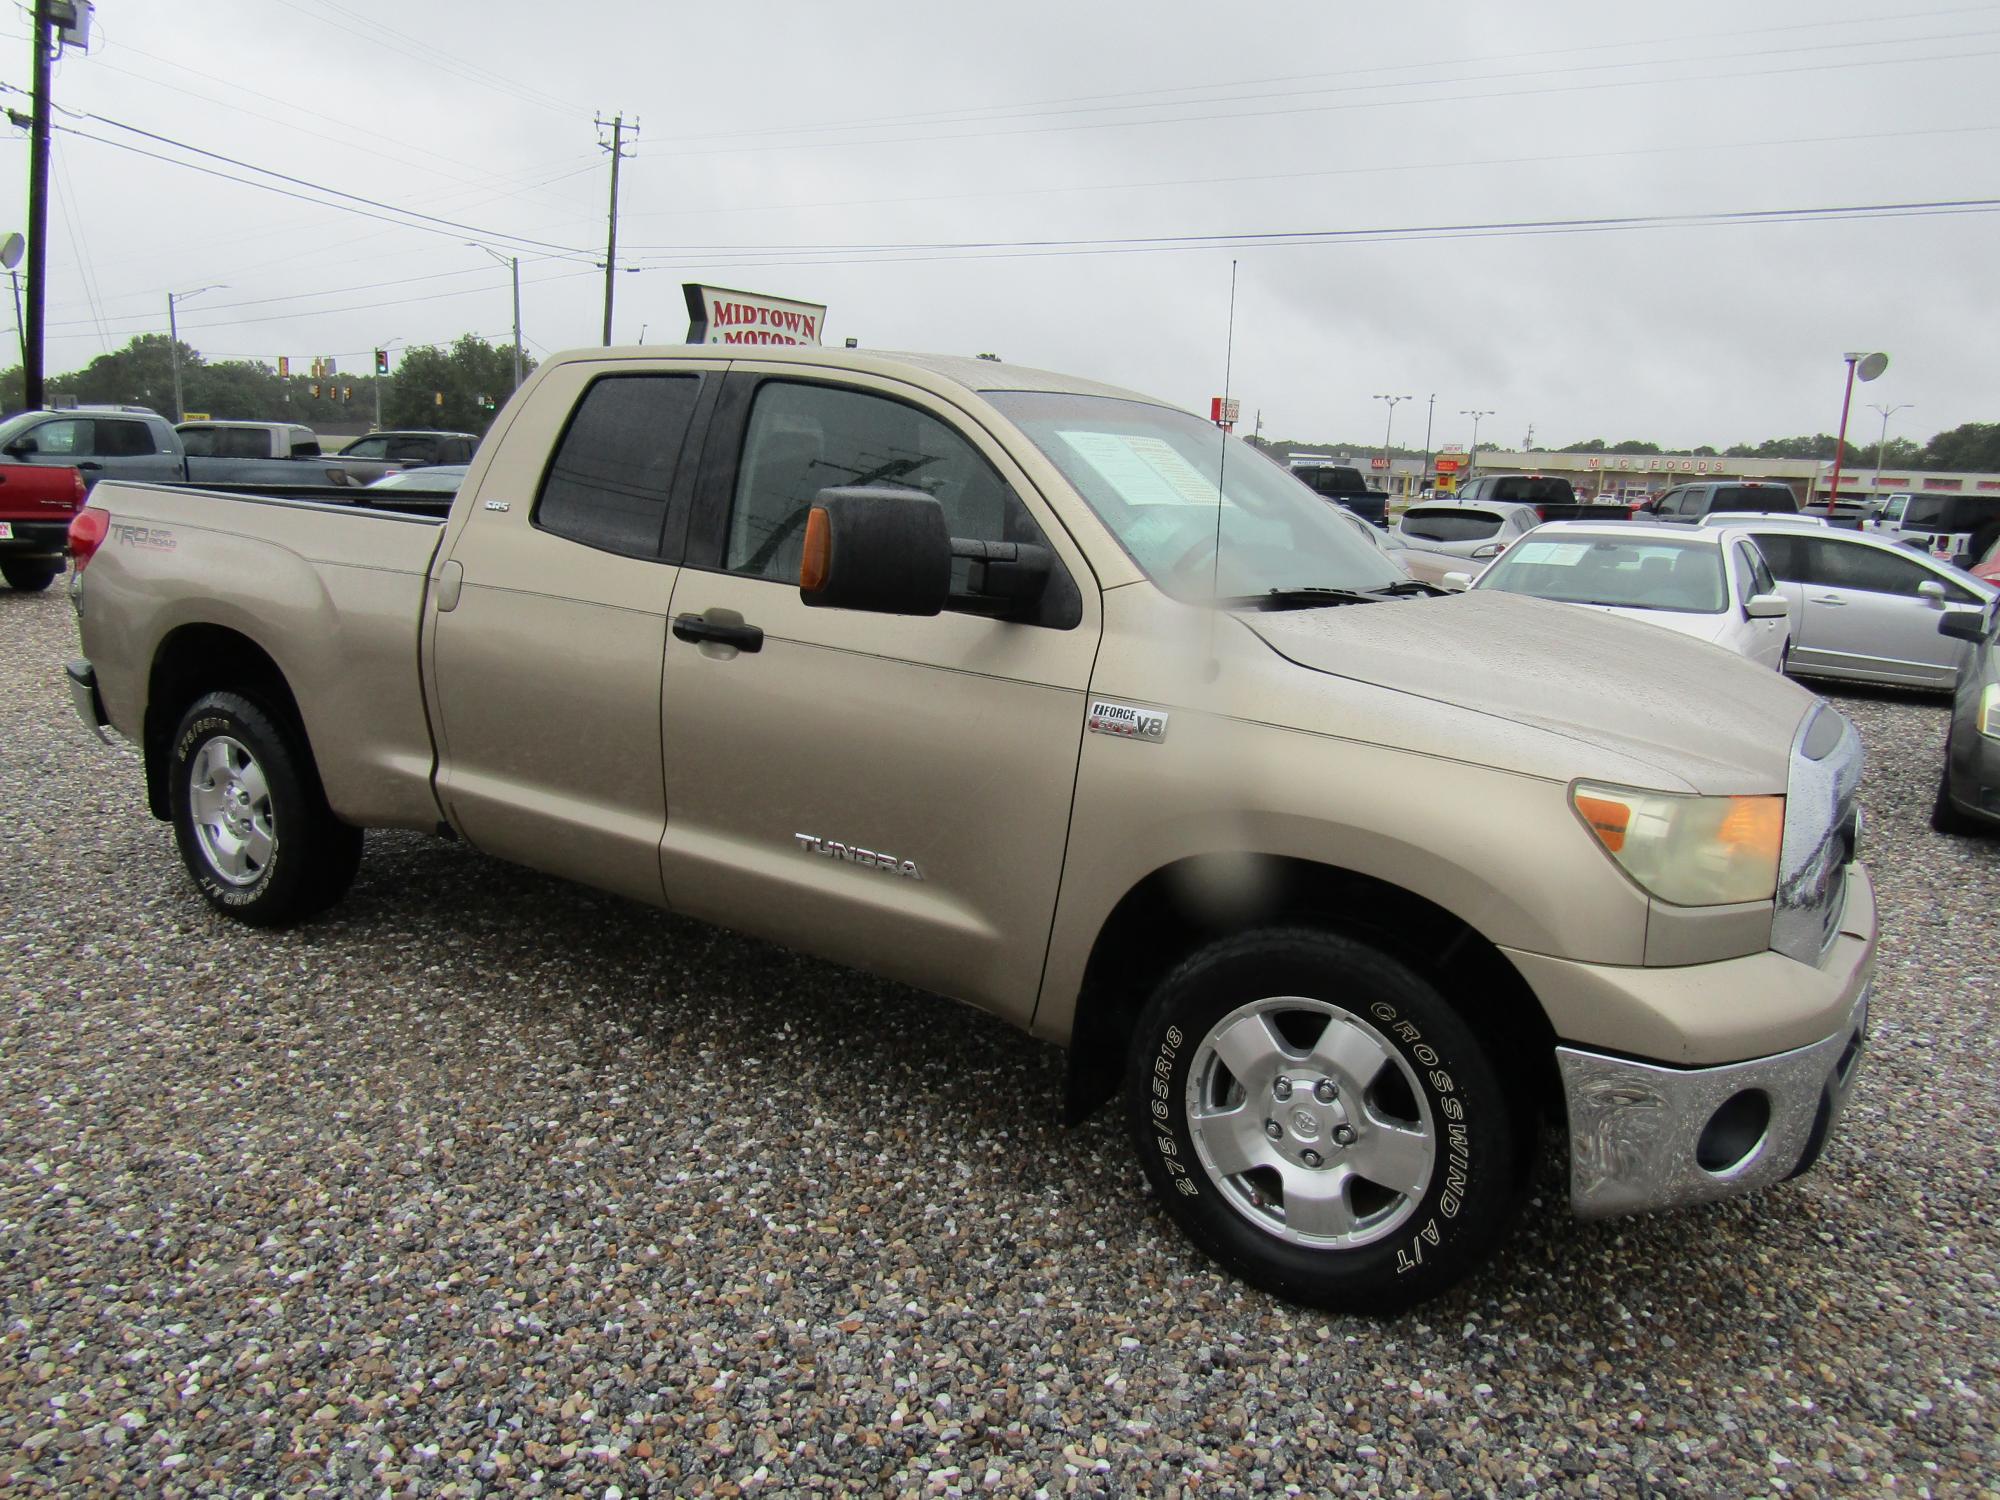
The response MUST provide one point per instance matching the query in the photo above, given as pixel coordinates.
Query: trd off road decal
(1457, 1163)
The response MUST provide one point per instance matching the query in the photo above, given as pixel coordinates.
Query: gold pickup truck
(1048, 697)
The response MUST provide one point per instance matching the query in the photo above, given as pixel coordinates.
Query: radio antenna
(1221, 470)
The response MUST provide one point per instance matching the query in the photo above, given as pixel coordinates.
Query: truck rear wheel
(1318, 1118)
(29, 578)
(251, 821)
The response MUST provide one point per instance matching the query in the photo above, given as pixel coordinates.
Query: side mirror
(21, 447)
(889, 551)
(1766, 607)
(1456, 583)
(1932, 590)
(1963, 624)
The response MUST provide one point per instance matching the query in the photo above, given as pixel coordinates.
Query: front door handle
(699, 628)
(88, 467)
(1832, 599)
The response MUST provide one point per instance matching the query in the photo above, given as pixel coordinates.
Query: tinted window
(199, 442)
(66, 437)
(244, 442)
(1670, 503)
(1445, 524)
(1849, 565)
(368, 447)
(1742, 497)
(410, 448)
(455, 451)
(607, 486)
(304, 443)
(122, 439)
(1531, 489)
(1679, 576)
(805, 438)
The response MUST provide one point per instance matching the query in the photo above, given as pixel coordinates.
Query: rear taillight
(87, 529)
(1541, 512)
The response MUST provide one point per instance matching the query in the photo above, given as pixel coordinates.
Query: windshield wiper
(1300, 598)
(1408, 586)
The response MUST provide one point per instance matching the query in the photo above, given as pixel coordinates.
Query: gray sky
(782, 145)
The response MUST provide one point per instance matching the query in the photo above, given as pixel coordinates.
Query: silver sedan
(1866, 610)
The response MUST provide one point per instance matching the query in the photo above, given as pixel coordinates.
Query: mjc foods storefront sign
(1662, 465)
(718, 315)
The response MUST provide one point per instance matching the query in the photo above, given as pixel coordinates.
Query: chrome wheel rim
(229, 803)
(1310, 1123)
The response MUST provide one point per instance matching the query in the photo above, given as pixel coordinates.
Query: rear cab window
(611, 478)
(1748, 497)
(1449, 523)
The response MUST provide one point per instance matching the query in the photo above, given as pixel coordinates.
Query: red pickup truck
(36, 504)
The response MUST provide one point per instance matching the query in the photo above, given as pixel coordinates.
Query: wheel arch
(206, 658)
(1184, 905)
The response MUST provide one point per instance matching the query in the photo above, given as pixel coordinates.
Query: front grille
(1822, 827)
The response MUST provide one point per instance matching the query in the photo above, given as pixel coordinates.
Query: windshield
(1150, 474)
(1681, 576)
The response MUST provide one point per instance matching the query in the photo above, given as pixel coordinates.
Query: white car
(1712, 585)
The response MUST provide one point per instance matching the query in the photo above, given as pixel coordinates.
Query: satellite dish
(11, 249)
(1872, 366)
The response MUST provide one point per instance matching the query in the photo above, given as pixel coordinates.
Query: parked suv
(1958, 528)
(1688, 503)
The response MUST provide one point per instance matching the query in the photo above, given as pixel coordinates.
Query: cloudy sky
(1067, 185)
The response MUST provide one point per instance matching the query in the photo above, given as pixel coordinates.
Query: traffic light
(437, 398)
(381, 361)
(284, 367)
(314, 388)
(347, 393)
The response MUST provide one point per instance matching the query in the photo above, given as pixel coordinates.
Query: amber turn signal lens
(1755, 825)
(1608, 820)
(817, 559)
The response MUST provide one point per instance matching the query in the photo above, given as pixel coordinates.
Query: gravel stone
(492, 1184)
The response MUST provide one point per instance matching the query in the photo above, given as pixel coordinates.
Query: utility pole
(1430, 410)
(616, 125)
(1472, 461)
(32, 393)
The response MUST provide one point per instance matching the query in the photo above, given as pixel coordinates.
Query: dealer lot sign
(719, 315)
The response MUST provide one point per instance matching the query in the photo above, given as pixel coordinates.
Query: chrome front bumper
(1645, 1137)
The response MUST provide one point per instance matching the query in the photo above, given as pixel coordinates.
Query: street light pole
(1388, 473)
(1882, 443)
(1862, 367)
(174, 343)
(1430, 410)
(513, 264)
(1472, 462)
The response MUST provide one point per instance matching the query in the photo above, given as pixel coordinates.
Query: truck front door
(548, 626)
(887, 791)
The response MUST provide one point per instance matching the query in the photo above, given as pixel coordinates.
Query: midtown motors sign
(718, 315)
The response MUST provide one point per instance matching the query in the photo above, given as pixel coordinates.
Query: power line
(1344, 76)
(1343, 81)
(1760, 73)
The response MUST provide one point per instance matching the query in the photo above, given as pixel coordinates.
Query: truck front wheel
(251, 821)
(1319, 1119)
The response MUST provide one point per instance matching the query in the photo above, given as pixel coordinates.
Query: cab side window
(803, 438)
(117, 439)
(70, 437)
(1670, 503)
(608, 484)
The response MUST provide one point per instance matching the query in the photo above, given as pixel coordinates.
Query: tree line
(455, 387)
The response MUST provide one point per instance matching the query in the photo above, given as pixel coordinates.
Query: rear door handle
(699, 628)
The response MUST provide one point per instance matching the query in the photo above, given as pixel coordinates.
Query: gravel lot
(490, 1183)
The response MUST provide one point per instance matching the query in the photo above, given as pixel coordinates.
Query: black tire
(29, 578)
(1945, 818)
(1434, 1073)
(298, 858)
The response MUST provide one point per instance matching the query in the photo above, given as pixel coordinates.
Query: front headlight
(1989, 710)
(1691, 851)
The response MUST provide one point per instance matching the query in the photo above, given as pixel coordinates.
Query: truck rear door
(548, 625)
(884, 790)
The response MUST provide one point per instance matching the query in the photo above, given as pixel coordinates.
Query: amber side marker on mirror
(818, 553)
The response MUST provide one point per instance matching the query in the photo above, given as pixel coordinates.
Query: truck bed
(333, 594)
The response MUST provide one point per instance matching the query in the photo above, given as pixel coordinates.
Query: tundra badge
(854, 854)
(1126, 721)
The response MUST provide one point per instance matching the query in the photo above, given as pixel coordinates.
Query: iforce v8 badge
(1126, 721)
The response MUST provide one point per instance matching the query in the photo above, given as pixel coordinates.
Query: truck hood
(1700, 715)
